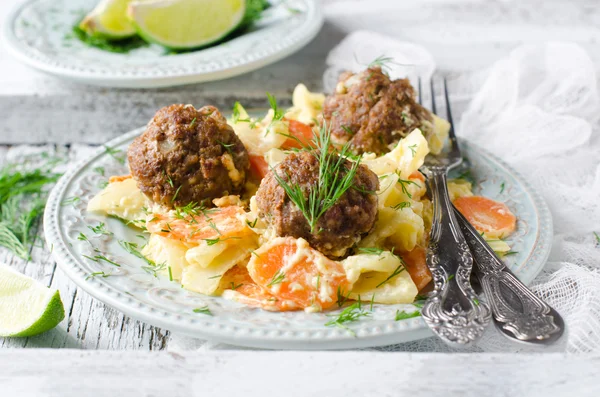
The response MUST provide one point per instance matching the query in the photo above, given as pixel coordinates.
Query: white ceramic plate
(163, 303)
(37, 33)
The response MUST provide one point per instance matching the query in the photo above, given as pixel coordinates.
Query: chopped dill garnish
(115, 154)
(234, 287)
(402, 315)
(217, 276)
(235, 114)
(70, 200)
(176, 193)
(413, 149)
(99, 170)
(98, 258)
(510, 253)
(350, 314)
(203, 310)
(278, 278)
(193, 122)
(402, 205)
(253, 224)
(170, 273)
(95, 274)
(371, 250)
(335, 178)
(341, 298)
(396, 272)
(213, 241)
(466, 176)
(405, 182)
(347, 129)
(450, 277)
(227, 146)
(152, 267)
(277, 112)
(502, 186)
(597, 238)
(420, 297)
(476, 301)
(100, 229)
(83, 237)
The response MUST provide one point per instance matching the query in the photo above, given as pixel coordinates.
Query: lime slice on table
(27, 307)
(109, 20)
(186, 24)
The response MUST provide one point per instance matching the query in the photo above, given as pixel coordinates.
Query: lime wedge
(186, 24)
(27, 307)
(109, 20)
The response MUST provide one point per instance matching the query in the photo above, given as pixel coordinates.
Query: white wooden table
(39, 113)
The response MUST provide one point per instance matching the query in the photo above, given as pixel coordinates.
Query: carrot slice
(416, 265)
(488, 216)
(215, 223)
(302, 132)
(258, 166)
(291, 270)
(243, 289)
(417, 175)
(119, 178)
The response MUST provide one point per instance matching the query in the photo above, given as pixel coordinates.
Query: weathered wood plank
(243, 373)
(89, 324)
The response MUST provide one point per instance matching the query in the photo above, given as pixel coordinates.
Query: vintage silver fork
(452, 310)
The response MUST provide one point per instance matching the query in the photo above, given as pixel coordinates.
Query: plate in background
(165, 304)
(38, 33)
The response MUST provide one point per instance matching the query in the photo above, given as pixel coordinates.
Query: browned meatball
(373, 112)
(340, 227)
(188, 155)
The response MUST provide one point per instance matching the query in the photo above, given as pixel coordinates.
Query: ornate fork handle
(452, 311)
(518, 312)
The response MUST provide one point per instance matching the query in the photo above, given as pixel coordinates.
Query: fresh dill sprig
(176, 193)
(193, 122)
(251, 224)
(381, 61)
(402, 315)
(502, 187)
(597, 238)
(99, 170)
(350, 314)
(234, 286)
(511, 253)
(278, 278)
(335, 178)
(100, 229)
(404, 183)
(83, 237)
(203, 310)
(134, 249)
(23, 194)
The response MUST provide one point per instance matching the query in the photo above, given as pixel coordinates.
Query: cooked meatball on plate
(317, 208)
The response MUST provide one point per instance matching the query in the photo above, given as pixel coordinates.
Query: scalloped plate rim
(213, 329)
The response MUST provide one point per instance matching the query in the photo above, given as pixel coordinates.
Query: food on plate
(178, 25)
(287, 213)
(318, 176)
(188, 156)
(373, 112)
